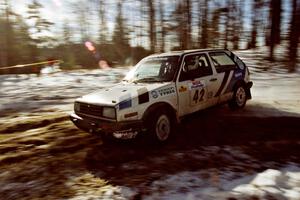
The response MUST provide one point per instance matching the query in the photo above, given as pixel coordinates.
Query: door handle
(213, 79)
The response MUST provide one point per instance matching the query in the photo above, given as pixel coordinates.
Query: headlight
(109, 112)
(77, 106)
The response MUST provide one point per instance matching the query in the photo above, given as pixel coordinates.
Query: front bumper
(120, 130)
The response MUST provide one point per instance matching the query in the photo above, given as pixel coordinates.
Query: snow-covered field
(43, 156)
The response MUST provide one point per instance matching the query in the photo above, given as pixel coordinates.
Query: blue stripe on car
(125, 104)
(238, 74)
(226, 75)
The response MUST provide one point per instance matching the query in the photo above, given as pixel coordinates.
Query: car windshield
(154, 69)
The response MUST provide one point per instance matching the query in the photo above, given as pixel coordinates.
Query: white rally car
(160, 90)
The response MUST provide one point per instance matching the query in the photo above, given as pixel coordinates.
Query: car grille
(89, 109)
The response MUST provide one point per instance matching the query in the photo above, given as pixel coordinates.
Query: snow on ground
(269, 184)
(27, 92)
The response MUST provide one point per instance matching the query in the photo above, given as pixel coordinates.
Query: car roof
(182, 52)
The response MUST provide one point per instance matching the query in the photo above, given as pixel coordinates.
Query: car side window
(222, 61)
(195, 66)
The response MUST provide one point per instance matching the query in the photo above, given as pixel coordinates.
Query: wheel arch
(239, 82)
(159, 105)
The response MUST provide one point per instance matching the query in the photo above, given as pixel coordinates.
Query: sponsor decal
(131, 114)
(125, 104)
(182, 89)
(239, 74)
(196, 84)
(166, 91)
(154, 94)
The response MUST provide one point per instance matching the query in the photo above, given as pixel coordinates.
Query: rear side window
(240, 63)
(222, 61)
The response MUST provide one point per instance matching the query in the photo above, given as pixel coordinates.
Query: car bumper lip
(120, 130)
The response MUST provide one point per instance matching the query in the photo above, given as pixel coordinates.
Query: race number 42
(198, 96)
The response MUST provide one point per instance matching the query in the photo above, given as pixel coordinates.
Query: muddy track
(59, 135)
(52, 159)
(24, 126)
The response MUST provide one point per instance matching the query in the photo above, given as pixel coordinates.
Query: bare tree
(178, 27)
(256, 18)
(215, 32)
(67, 32)
(188, 27)
(103, 30)
(227, 29)
(237, 24)
(82, 20)
(203, 9)
(181, 18)
(5, 34)
(120, 35)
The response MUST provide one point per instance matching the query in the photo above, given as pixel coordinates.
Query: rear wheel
(239, 98)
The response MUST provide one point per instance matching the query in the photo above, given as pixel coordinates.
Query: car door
(196, 84)
(225, 68)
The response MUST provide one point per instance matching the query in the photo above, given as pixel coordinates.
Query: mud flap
(248, 92)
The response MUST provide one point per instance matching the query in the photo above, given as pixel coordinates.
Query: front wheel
(239, 98)
(160, 126)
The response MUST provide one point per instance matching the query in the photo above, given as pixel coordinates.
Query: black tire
(239, 98)
(160, 125)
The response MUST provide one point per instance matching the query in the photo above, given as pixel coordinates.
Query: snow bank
(213, 184)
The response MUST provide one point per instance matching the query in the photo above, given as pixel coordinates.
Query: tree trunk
(162, 26)
(256, 19)
(294, 35)
(215, 27)
(275, 16)
(188, 24)
(199, 23)
(204, 26)
(252, 43)
(236, 25)
(151, 22)
(4, 53)
(227, 19)
(103, 31)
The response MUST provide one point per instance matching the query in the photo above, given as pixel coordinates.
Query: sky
(59, 11)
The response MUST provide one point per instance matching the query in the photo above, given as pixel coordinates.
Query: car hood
(113, 95)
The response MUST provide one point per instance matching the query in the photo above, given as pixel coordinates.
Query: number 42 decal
(199, 95)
